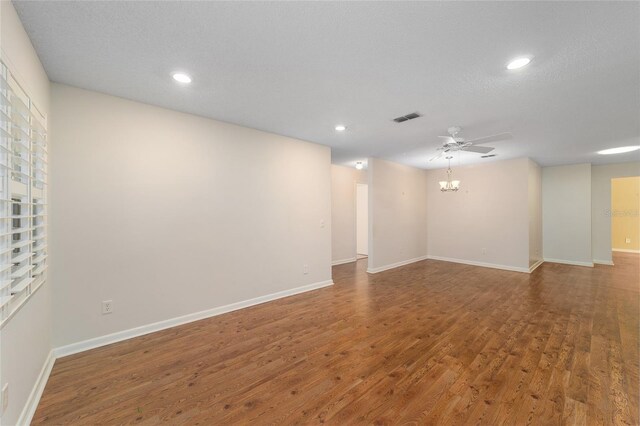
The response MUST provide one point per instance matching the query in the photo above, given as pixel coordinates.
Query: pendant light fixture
(449, 185)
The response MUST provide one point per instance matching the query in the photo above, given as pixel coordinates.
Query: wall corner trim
(481, 264)
(570, 262)
(535, 266)
(343, 261)
(395, 265)
(29, 408)
(119, 336)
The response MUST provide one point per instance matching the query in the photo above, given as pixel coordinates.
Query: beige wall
(25, 341)
(397, 214)
(625, 222)
(535, 213)
(566, 206)
(601, 205)
(343, 212)
(21, 57)
(362, 219)
(487, 221)
(169, 214)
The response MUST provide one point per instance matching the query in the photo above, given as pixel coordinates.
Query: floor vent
(407, 117)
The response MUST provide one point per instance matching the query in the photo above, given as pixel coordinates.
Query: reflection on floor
(425, 343)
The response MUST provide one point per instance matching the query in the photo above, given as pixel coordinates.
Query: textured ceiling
(300, 68)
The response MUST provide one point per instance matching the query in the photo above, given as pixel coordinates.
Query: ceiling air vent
(407, 117)
(488, 156)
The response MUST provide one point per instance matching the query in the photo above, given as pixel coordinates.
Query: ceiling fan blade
(478, 149)
(437, 156)
(492, 138)
(449, 139)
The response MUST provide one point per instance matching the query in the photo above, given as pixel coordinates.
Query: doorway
(625, 217)
(362, 220)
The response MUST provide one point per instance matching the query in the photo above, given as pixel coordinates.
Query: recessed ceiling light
(341, 128)
(359, 165)
(619, 150)
(518, 63)
(181, 77)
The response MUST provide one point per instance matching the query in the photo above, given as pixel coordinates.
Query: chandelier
(449, 185)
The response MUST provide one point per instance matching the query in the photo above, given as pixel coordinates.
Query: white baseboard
(162, 325)
(395, 265)
(482, 264)
(535, 265)
(625, 250)
(343, 261)
(34, 397)
(603, 262)
(36, 393)
(570, 262)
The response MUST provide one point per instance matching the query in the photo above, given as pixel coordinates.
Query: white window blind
(23, 196)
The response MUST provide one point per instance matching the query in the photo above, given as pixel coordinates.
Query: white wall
(25, 341)
(601, 205)
(169, 214)
(362, 219)
(397, 214)
(343, 212)
(535, 213)
(566, 214)
(487, 221)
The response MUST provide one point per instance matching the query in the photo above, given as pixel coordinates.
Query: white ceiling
(300, 68)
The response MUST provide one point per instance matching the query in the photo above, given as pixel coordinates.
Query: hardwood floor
(428, 343)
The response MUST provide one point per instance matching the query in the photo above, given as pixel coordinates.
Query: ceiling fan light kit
(456, 143)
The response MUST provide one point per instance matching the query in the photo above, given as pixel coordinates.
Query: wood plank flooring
(428, 343)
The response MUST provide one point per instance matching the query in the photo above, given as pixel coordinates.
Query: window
(23, 192)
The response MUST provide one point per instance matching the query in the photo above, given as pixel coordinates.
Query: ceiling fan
(453, 142)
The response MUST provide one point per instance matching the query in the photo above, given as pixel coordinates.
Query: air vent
(407, 117)
(488, 156)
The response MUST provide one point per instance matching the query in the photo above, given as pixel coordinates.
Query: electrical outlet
(627, 240)
(305, 269)
(5, 397)
(107, 307)
(484, 250)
